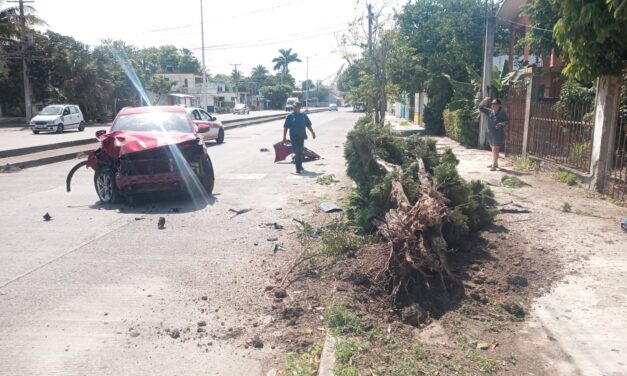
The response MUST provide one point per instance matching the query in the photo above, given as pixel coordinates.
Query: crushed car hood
(119, 143)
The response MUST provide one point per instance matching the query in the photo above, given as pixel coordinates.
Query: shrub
(579, 154)
(339, 238)
(472, 203)
(565, 177)
(461, 126)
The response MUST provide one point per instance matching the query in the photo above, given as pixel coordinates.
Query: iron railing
(616, 179)
(561, 134)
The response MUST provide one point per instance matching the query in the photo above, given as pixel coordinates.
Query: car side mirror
(203, 128)
(100, 133)
(213, 118)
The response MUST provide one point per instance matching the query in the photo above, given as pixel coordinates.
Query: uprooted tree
(414, 197)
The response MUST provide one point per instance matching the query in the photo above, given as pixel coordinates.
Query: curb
(230, 124)
(327, 358)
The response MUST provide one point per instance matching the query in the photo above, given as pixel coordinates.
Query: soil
(485, 325)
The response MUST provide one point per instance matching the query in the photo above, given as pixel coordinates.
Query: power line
(239, 15)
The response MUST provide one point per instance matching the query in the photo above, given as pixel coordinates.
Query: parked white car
(57, 118)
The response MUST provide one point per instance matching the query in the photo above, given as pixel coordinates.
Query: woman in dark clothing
(497, 120)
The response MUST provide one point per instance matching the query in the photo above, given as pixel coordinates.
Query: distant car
(241, 109)
(57, 118)
(359, 107)
(149, 149)
(333, 107)
(289, 104)
(200, 116)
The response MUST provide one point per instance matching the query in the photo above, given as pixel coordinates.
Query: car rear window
(176, 122)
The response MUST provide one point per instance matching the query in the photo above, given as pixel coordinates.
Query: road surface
(99, 290)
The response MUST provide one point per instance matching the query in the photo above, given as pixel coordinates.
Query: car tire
(81, 126)
(106, 189)
(60, 128)
(220, 138)
(207, 177)
(35, 132)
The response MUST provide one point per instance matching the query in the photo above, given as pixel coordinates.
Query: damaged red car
(150, 149)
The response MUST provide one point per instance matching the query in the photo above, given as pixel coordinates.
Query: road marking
(242, 176)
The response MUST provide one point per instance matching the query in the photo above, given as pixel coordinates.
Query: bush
(472, 204)
(579, 154)
(461, 126)
(565, 177)
(339, 238)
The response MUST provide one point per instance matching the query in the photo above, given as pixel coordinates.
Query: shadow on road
(160, 203)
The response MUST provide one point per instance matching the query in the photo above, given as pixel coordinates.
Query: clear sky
(247, 32)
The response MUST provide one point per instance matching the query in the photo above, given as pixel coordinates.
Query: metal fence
(561, 133)
(616, 180)
(514, 103)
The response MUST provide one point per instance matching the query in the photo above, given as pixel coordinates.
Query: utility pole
(28, 111)
(203, 94)
(370, 16)
(307, 83)
(236, 81)
(486, 77)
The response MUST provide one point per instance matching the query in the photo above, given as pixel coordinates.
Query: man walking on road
(298, 123)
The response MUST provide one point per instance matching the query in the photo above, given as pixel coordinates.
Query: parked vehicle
(332, 107)
(57, 118)
(241, 109)
(150, 149)
(200, 116)
(289, 104)
(359, 107)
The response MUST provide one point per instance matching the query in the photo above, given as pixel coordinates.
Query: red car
(150, 149)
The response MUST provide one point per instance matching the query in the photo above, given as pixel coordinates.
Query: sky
(244, 32)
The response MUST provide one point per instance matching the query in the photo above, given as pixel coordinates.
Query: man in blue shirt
(297, 123)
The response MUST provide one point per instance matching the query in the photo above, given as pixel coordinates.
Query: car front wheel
(104, 182)
(35, 132)
(207, 178)
(60, 128)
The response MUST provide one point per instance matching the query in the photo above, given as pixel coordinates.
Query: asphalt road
(21, 137)
(99, 290)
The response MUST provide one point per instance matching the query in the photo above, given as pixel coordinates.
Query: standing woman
(497, 120)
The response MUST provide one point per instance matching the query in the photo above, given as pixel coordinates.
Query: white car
(200, 116)
(241, 109)
(57, 118)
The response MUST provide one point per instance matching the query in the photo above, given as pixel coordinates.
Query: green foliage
(579, 154)
(461, 125)
(525, 164)
(339, 238)
(327, 180)
(575, 100)
(303, 364)
(511, 181)
(591, 36)
(567, 208)
(276, 95)
(340, 320)
(543, 15)
(472, 203)
(565, 177)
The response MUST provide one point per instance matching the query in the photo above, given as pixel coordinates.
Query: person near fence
(497, 121)
(297, 123)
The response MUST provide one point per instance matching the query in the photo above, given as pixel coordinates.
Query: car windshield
(52, 110)
(239, 106)
(175, 122)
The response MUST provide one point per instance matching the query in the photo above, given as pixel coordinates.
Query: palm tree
(10, 21)
(259, 71)
(284, 60)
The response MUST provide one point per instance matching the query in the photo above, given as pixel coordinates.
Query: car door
(66, 118)
(73, 117)
(215, 128)
(197, 118)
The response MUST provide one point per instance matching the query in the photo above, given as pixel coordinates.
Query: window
(196, 115)
(185, 84)
(205, 116)
(66, 111)
(73, 110)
